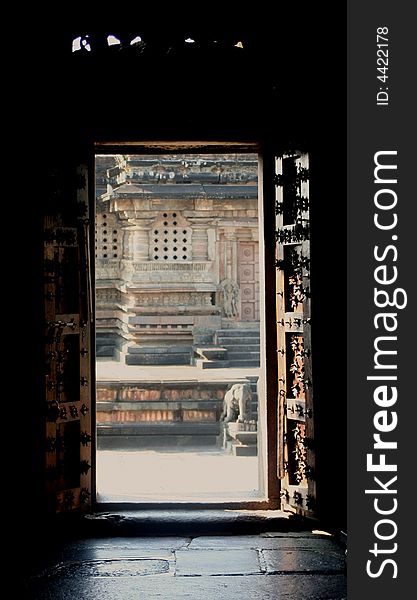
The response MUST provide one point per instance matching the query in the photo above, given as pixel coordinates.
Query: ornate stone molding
(200, 266)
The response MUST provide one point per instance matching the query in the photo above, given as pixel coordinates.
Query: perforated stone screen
(170, 240)
(108, 238)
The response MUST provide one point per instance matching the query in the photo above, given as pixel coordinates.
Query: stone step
(106, 351)
(247, 438)
(158, 428)
(243, 354)
(158, 359)
(211, 352)
(109, 338)
(136, 435)
(244, 450)
(236, 342)
(238, 332)
(201, 339)
(244, 363)
(180, 349)
(253, 325)
(234, 354)
(164, 337)
(164, 321)
(135, 442)
(211, 364)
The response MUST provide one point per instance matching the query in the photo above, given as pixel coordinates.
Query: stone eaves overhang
(177, 191)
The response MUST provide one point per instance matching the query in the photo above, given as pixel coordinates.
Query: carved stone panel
(248, 271)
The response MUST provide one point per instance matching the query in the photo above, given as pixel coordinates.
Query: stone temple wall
(177, 259)
(165, 413)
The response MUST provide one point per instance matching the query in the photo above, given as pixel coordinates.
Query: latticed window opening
(170, 240)
(108, 238)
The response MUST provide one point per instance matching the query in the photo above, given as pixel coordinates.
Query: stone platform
(109, 370)
(164, 406)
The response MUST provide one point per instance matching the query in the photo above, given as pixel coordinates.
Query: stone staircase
(243, 346)
(208, 357)
(159, 355)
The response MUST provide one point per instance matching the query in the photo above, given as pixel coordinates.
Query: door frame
(268, 388)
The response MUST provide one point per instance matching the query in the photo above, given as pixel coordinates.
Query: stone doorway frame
(269, 484)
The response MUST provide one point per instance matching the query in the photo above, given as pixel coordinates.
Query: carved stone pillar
(128, 243)
(140, 243)
(136, 240)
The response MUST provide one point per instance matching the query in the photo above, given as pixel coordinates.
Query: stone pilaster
(200, 243)
(128, 243)
(140, 243)
(230, 254)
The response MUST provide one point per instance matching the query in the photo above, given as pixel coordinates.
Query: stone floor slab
(188, 523)
(180, 568)
(323, 545)
(217, 562)
(109, 568)
(168, 542)
(260, 542)
(165, 587)
(120, 547)
(120, 554)
(222, 542)
(297, 534)
(289, 561)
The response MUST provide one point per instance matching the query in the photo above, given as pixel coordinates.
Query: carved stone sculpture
(236, 403)
(230, 298)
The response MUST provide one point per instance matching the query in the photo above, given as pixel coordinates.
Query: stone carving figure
(230, 298)
(236, 403)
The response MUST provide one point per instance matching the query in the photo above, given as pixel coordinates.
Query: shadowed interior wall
(176, 91)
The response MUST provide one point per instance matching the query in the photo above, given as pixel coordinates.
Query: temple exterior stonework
(177, 259)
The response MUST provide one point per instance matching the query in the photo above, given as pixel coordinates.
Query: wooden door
(68, 311)
(248, 277)
(296, 455)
